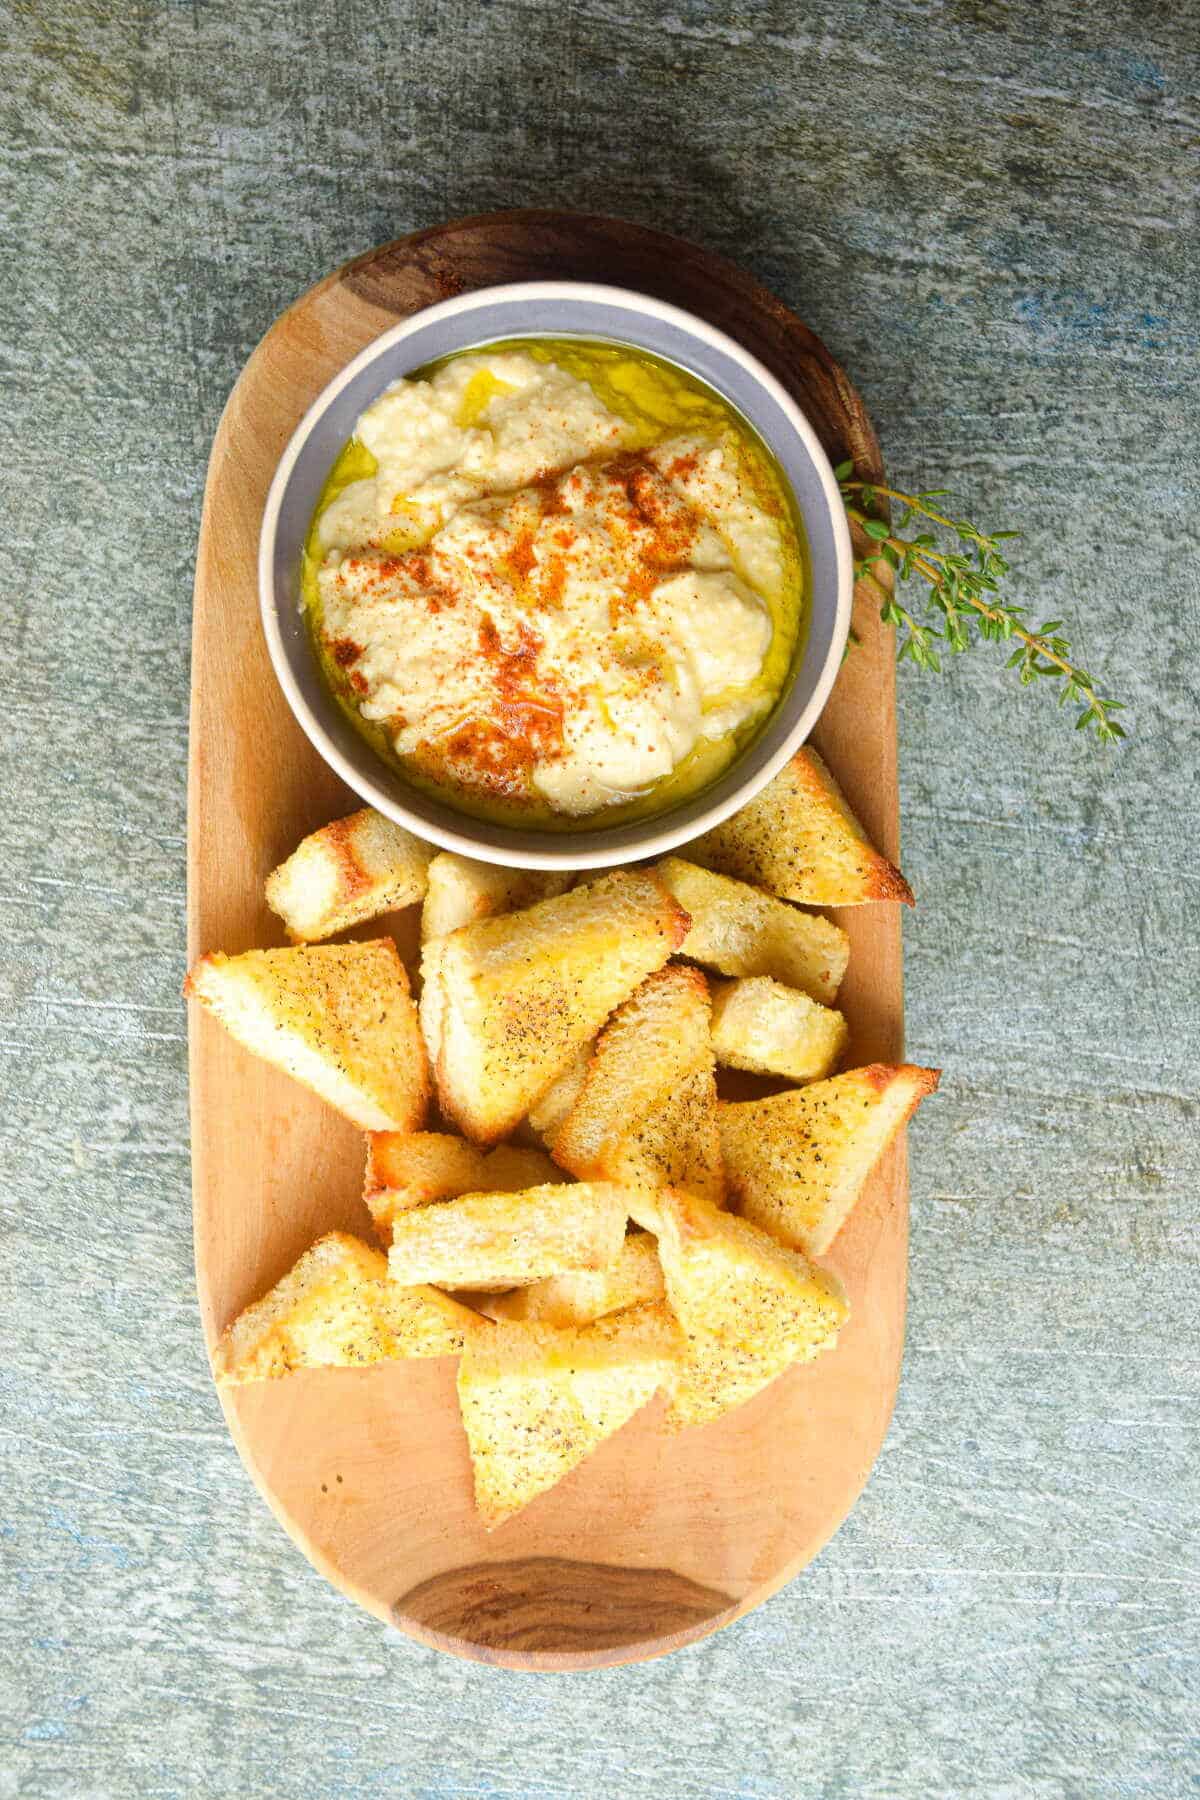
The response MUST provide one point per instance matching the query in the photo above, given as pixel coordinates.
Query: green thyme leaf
(963, 589)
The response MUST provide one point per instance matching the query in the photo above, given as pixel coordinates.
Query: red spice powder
(521, 557)
(553, 584)
(498, 754)
(681, 467)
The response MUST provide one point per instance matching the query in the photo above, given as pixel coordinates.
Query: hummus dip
(543, 602)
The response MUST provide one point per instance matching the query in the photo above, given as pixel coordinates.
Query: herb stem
(963, 582)
(874, 487)
(933, 577)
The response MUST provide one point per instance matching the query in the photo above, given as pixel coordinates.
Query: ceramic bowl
(554, 309)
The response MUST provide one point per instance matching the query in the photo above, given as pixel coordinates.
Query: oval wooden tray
(654, 1541)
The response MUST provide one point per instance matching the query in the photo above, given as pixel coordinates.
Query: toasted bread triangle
(490, 1242)
(509, 1001)
(647, 1110)
(337, 1017)
(738, 930)
(336, 1308)
(536, 1400)
(761, 1025)
(799, 839)
(749, 1308)
(796, 1162)
(351, 870)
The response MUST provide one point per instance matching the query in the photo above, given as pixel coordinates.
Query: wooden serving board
(655, 1540)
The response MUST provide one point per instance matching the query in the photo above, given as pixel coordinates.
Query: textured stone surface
(989, 212)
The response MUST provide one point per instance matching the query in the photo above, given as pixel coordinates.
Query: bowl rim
(570, 849)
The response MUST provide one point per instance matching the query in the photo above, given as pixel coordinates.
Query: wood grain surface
(369, 1471)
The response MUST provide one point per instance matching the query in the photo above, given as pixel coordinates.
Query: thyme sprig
(964, 598)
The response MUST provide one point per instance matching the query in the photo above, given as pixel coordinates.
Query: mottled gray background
(988, 210)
